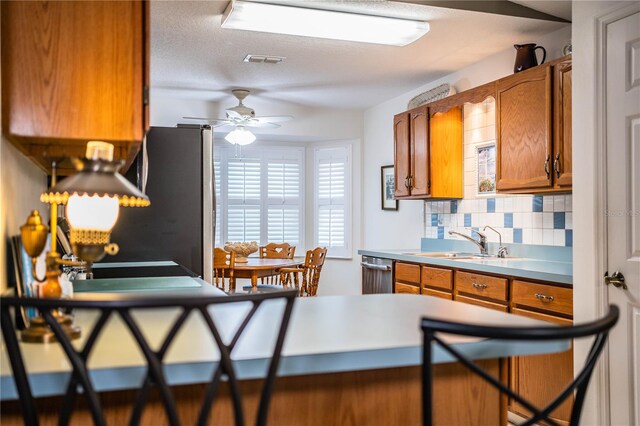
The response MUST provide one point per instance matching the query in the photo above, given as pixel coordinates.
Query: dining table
(259, 267)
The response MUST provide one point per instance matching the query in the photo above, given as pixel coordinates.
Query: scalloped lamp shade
(99, 178)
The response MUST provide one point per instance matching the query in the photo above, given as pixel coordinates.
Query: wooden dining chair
(310, 272)
(223, 264)
(275, 251)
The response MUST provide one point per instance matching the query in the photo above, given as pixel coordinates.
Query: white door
(623, 213)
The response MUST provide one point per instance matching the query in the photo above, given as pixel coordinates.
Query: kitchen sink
(454, 255)
(447, 255)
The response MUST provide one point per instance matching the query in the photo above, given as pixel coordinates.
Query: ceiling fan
(242, 115)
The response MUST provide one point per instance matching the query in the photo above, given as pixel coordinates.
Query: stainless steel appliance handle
(376, 267)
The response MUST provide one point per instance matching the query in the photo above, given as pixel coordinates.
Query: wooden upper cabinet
(428, 155)
(419, 177)
(562, 142)
(446, 154)
(523, 126)
(411, 139)
(74, 72)
(534, 129)
(402, 154)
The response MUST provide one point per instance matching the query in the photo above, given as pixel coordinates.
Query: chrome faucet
(481, 242)
(502, 250)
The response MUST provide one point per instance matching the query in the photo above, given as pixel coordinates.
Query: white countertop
(326, 334)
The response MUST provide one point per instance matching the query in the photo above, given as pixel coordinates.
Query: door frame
(601, 377)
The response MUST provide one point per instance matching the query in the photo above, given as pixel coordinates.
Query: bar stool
(598, 329)
(123, 306)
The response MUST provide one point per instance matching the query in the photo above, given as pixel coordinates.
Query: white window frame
(345, 252)
(224, 152)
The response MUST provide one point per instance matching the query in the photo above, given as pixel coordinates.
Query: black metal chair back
(123, 306)
(598, 329)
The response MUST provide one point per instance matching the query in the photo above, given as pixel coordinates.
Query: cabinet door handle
(556, 166)
(479, 286)
(544, 298)
(411, 181)
(406, 182)
(546, 167)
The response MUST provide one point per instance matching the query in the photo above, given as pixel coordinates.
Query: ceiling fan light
(301, 21)
(240, 136)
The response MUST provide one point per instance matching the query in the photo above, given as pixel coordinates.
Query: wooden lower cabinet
(436, 282)
(407, 278)
(387, 396)
(484, 303)
(437, 293)
(407, 288)
(540, 378)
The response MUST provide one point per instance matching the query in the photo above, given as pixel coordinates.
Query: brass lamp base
(39, 331)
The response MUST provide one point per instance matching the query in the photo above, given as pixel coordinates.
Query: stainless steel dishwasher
(377, 275)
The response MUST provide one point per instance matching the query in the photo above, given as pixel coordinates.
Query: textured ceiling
(559, 8)
(192, 56)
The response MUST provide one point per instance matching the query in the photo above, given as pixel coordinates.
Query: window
(259, 194)
(332, 177)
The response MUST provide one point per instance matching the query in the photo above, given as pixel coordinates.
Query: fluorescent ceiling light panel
(300, 21)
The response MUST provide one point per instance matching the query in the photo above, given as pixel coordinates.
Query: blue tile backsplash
(508, 220)
(491, 205)
(521, 219)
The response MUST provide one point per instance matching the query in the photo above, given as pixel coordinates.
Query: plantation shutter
(332, 200)
(219, 212)
(243, 197)
(259, 195)
(284, 201)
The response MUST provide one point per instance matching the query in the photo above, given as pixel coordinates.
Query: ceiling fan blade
(274, 118)
(253, 123)
(216, 121)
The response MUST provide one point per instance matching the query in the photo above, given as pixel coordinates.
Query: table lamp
(92, 197)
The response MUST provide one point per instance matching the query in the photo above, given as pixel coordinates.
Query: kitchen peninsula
(345, 357)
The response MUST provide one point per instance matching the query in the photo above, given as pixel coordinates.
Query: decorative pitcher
(526, 56)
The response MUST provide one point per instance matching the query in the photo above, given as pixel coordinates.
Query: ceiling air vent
(267, 59)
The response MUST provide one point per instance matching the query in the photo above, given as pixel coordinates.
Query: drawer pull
(544, 298)
(479, 286)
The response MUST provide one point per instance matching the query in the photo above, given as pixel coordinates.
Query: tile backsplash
(521, 219)
(525, 219)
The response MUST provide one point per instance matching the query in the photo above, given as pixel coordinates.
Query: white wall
(21, 183)
(404, 228)
(310, 127)
(20, 189)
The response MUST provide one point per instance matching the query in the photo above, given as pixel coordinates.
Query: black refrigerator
(175, 169)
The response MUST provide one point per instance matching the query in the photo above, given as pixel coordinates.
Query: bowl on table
(241, 249)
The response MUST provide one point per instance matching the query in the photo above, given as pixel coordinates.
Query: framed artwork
(387, 189)
(486, 168)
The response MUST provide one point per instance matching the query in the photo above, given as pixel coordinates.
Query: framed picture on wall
(486, 167)
(389, 201)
